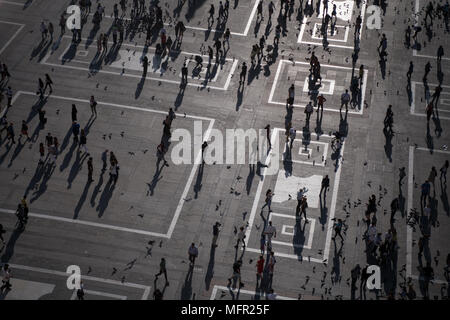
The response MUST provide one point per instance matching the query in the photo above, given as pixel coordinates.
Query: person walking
(160, 152)
(9, 96)
(193, 253)
(74, 113)
(303, 207)
(113, 173)
(240, 238)
(90, 169)
(291, 96)
(269, 195)
(268, 135)
(345, 99)
(432, 176)
(259, 270)
(24, 130)
(75, 131)
(48, 83)
(144, 66)
(10, 133)
(270, 232)
(309, 109)
(243, 74)
(320, 101)
(162, 270)
(425, 193)
(271, 268)
(325, 185)
(184, 74)
(44, 30)
(216, 230)
(50, 30)
(40, 91)
(337, 229)
(80, 291)
(93, 105)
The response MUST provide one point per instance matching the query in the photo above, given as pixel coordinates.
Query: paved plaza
(116, 230)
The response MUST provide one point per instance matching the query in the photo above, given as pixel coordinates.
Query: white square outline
(198, 85)
(320, 164)
(303, 26)
(332, 210)
(415, 54)
(285, 227)
(330, 91)
(331, 39)
(409, 229)
(277, 75)
(186, 189)
(312, 227)
(413, 100)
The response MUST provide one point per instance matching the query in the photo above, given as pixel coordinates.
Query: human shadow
(210, 271)
(9, 248)
(388, 144)
(198, 183)
(156, 178)
(48, 171)
(82, 199)
(105, 198)
(180, 96)
(186, 290)
(250, 177)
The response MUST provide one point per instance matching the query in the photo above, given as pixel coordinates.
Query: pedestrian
(363, 283)
(216, 230)
(345, 99)
(325, 185)
(162, 270)
(355, 273)
(75, 131)
(320, 101)
(226, 39)
(337, 229)
(432, 176)
(42, 154)
(429, 111)
(303, 207)
(9, 95)
(6, 278)
(160, 152)
(24, 130)
(389, 118)
(440, 53)
(74, 113)
(309, 109)
(80, 291)
(144, 66)
(44, 30)
(83, 141)
(243, 73)
(10, 133)
(5, 73)
(236, 274)
(394, 208)
(268, 135)
(269, 195)
(270, 232)
(271, 9)
(259, 269)
(240, 238)
(292, 134)
(48, 83)
(425, 193)
(291, 95)
(90, 169)
(193, 253)
(93, 105)
(113, 173)
(204, 146)
(443, 171)
(184, 74)
(62, 23)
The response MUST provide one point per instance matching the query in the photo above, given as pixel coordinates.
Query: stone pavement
(117, 234)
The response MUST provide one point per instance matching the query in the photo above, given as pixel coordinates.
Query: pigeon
(141, 215)
(89, 270)
(250, 261)
(160, 244)
(222, 294)
(151, 242)
(235, 230)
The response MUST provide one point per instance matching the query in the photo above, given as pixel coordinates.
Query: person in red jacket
(259, 269)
